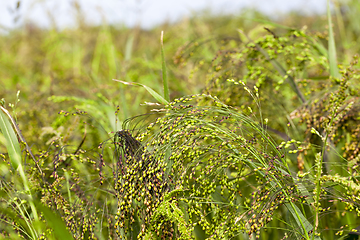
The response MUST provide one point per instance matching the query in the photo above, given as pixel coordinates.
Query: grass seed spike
(139, 185)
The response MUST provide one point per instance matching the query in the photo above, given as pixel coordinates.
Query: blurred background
(146, 13)
(63, 55)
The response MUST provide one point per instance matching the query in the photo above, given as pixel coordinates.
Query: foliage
(259, 141)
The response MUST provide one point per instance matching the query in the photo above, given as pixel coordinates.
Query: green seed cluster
(208, 154)
(139, 186)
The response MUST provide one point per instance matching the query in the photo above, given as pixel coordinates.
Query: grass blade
(334, 71)
(301, 220)
(153, 93)
(164, 73)
(129, 47)
(12, 144)
(55, 222)
(13, 147)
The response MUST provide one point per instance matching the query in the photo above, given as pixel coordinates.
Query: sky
(147, 13)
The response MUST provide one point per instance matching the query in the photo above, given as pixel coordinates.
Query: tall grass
(244, 136)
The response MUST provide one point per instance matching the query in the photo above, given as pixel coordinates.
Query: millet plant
(268, 150)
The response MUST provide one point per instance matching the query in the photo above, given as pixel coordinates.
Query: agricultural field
(214, 127)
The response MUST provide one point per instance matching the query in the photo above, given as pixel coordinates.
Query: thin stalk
(164, 72)
(318, 173)
(334, 70)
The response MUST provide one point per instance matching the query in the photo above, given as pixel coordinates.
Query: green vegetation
(217, 128)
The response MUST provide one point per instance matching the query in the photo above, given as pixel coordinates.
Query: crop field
(214, 127)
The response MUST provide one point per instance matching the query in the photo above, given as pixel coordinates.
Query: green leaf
(319, 46)
(169, 162)
(334, 71)
(14, 152)
(164, 73)
(295, 211)
(153, 93)
(129, 47)
(55, 222)
(12, 144)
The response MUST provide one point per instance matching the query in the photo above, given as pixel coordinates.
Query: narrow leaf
(296, 212)
(322, 50)
(169, 162)
(153, 93)
(14, 152)
(129, 47)
(334, 71)
(12, 144)
(164, 73)
(55, 222)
